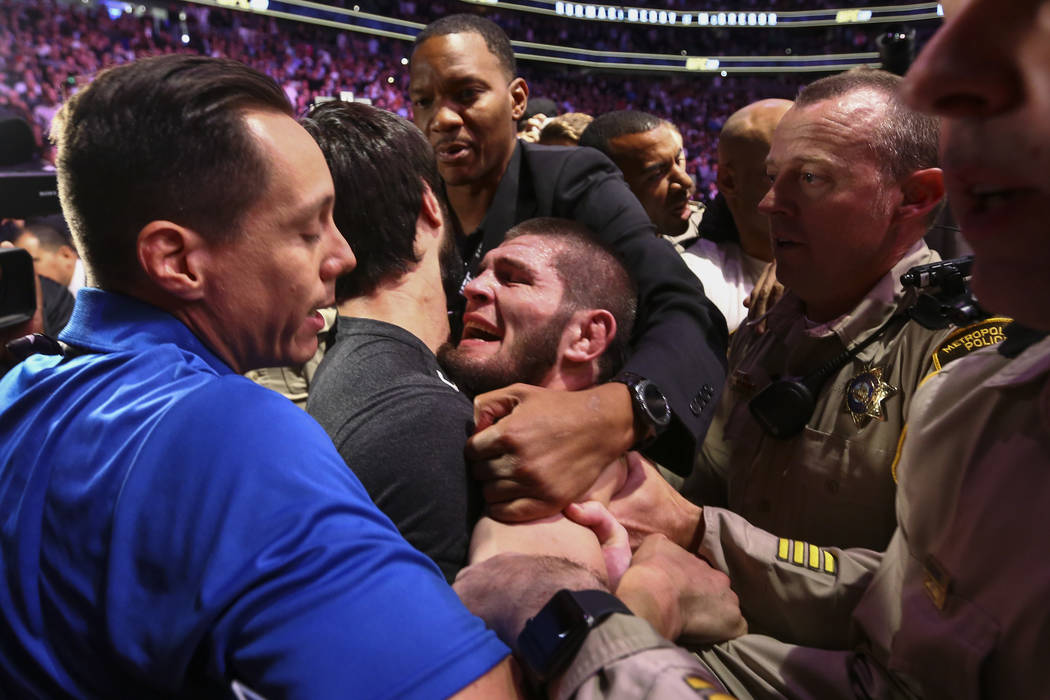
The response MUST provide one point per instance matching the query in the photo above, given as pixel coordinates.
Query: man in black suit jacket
(467, 100)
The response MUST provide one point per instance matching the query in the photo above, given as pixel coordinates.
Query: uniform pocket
(946, 646)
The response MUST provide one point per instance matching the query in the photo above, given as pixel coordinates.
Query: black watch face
(656, 403)
(552, 638)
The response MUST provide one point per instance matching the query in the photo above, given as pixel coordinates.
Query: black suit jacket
(680, 338)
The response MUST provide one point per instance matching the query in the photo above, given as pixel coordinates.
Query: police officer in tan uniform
(854, 185)
(956, 606)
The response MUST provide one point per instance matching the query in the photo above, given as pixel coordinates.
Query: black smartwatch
(651, 409)
(550, 640)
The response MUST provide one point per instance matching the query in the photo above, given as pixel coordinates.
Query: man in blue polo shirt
(169, 527)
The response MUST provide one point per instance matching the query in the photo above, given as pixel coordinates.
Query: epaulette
(963, 341)
(1018, 339)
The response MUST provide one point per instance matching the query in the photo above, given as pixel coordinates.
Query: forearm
(795, 591)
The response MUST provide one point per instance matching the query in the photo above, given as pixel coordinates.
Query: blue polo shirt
(167, 527)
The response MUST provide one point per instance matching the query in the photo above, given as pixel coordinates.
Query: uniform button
(696, 407)
(832, 486)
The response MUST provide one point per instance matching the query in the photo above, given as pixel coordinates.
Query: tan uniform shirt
(957, 606)
(962, 602)
(832, 483)
(624, 658)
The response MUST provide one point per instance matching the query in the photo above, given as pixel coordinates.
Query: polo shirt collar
(104, 322)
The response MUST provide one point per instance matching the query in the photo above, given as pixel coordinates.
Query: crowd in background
(48, 48)
(665, 39)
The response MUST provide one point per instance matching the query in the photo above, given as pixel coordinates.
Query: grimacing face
(467, 106)
(264, 287)
(653, 164)
(830, 205)
(986, 73)
(514, 320)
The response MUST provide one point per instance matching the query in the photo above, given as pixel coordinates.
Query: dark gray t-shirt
(401, 427)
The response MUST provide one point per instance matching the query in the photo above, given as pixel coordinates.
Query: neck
(822, 312)
(757, 244)
(415, 302)
(571, 376)
(753, 234)
(470, 203)
(214, 334)
(902, 242)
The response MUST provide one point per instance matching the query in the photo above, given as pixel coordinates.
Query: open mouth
(451, 151)
(315, 319)
(680, 208)
(472, 330)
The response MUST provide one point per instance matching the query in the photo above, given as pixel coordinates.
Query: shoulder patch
(965, 340)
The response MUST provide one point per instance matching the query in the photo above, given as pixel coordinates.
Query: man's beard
(528, 360)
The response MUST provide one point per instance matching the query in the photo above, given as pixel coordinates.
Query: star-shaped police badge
(865, 394)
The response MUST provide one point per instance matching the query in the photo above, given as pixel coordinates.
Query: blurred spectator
(48, 49)
(648, 151)
(53, 255)
(565, 129)
(729, 269)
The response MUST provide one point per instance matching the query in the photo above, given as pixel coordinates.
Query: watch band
(551, 639)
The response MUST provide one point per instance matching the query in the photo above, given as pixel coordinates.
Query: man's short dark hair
(48, 237)
(495, 38)
(611, 125)
(379, 164)
(905, 141)
(593, 278)
(162, 138)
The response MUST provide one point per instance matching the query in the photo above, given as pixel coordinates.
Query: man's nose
(968, 70)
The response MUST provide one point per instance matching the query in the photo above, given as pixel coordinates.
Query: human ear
(726, 179)
(592, 330)
(921, 192)
(519, 95)
(430, 210)
(170, 257)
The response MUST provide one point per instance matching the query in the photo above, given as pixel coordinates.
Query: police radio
(943, 297)
(944, 294)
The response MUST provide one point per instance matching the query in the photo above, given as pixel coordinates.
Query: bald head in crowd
(742, 149)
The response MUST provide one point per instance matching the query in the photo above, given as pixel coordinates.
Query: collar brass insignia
(865, 394)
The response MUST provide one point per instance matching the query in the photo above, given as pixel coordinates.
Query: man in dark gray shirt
(380, 393)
